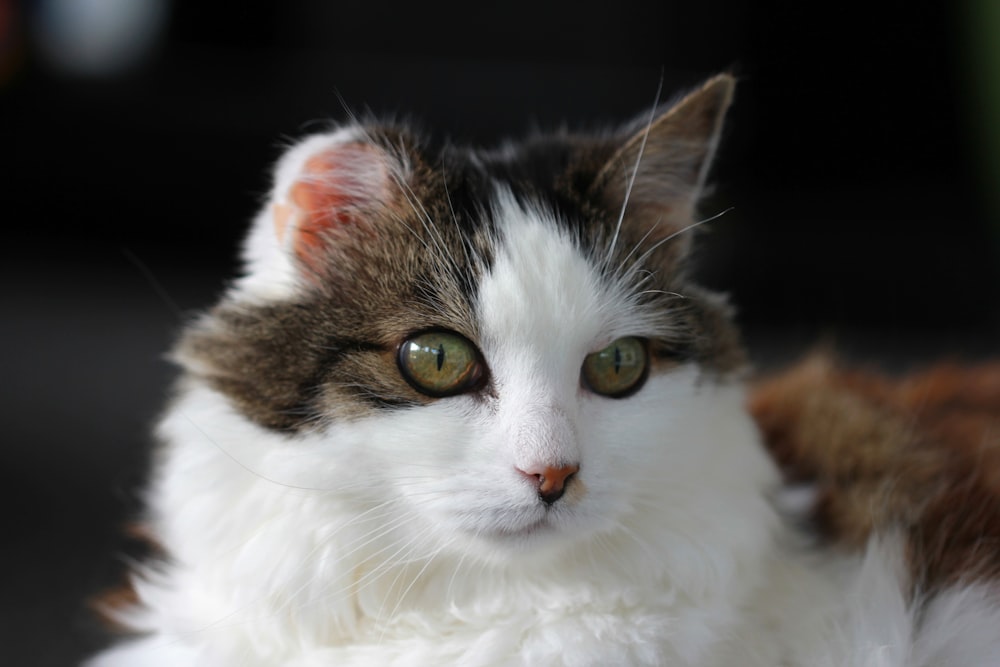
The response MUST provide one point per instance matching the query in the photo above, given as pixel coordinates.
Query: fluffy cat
(466, 407)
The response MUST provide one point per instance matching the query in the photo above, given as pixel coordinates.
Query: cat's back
(906, 471)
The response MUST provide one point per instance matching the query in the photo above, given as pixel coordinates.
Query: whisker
(663, 292)
(414, 580)
(250, 470)
(635, 172)
(428, 223)
(454, 218)
(385, 564)
(635, 248)
(155, 284)
(410, 547)
(683, 230)
(412, 231)
(454, 575)
(310, 558)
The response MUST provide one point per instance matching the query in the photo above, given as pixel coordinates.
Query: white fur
(411, 539)
(960, 628)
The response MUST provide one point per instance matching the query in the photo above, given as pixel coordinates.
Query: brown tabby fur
(919, 454)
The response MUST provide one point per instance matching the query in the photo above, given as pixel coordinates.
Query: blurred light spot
(98, 37)
(11, 41)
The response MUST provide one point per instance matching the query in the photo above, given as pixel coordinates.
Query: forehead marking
(541, 287)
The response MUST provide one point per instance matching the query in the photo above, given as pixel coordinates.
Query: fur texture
(921, 453)
(315, 506)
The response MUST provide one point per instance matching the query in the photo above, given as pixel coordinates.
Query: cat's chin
(531, 539)
(531, 531)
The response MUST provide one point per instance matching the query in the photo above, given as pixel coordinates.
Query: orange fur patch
(919, 453)
(108, 605)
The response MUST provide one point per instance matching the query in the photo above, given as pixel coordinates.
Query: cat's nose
(551, 481)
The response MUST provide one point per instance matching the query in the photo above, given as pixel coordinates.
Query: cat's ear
(658, 172)
(328, 190)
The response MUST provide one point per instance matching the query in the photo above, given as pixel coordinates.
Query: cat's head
(501, 347)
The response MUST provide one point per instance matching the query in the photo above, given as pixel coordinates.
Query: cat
(468, 407)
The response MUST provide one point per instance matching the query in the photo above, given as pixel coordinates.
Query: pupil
(618, 359)
(440, 356)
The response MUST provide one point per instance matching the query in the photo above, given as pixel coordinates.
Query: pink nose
(551, 481)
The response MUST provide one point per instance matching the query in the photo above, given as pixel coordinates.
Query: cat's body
(467, 408)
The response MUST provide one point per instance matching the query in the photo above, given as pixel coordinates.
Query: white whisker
(634, 174)
(413, 581)
(465, 243)
(694, 225)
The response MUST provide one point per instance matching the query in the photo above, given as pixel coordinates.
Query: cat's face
(497, 353)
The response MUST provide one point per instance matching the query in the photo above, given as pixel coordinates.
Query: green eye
(618, 370)
(440, 363)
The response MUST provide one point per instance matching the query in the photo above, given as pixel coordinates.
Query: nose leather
(551, 480)
(554, 479)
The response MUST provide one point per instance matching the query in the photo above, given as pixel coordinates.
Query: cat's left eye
(440, 363)
(618, 370)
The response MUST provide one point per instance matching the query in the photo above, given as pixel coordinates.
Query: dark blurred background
(862, 159)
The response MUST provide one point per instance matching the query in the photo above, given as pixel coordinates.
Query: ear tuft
(335, 192)
(327, 188)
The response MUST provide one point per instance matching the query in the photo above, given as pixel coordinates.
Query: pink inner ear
(336, 189)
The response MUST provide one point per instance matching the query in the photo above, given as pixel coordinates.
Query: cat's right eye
(440, 363)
